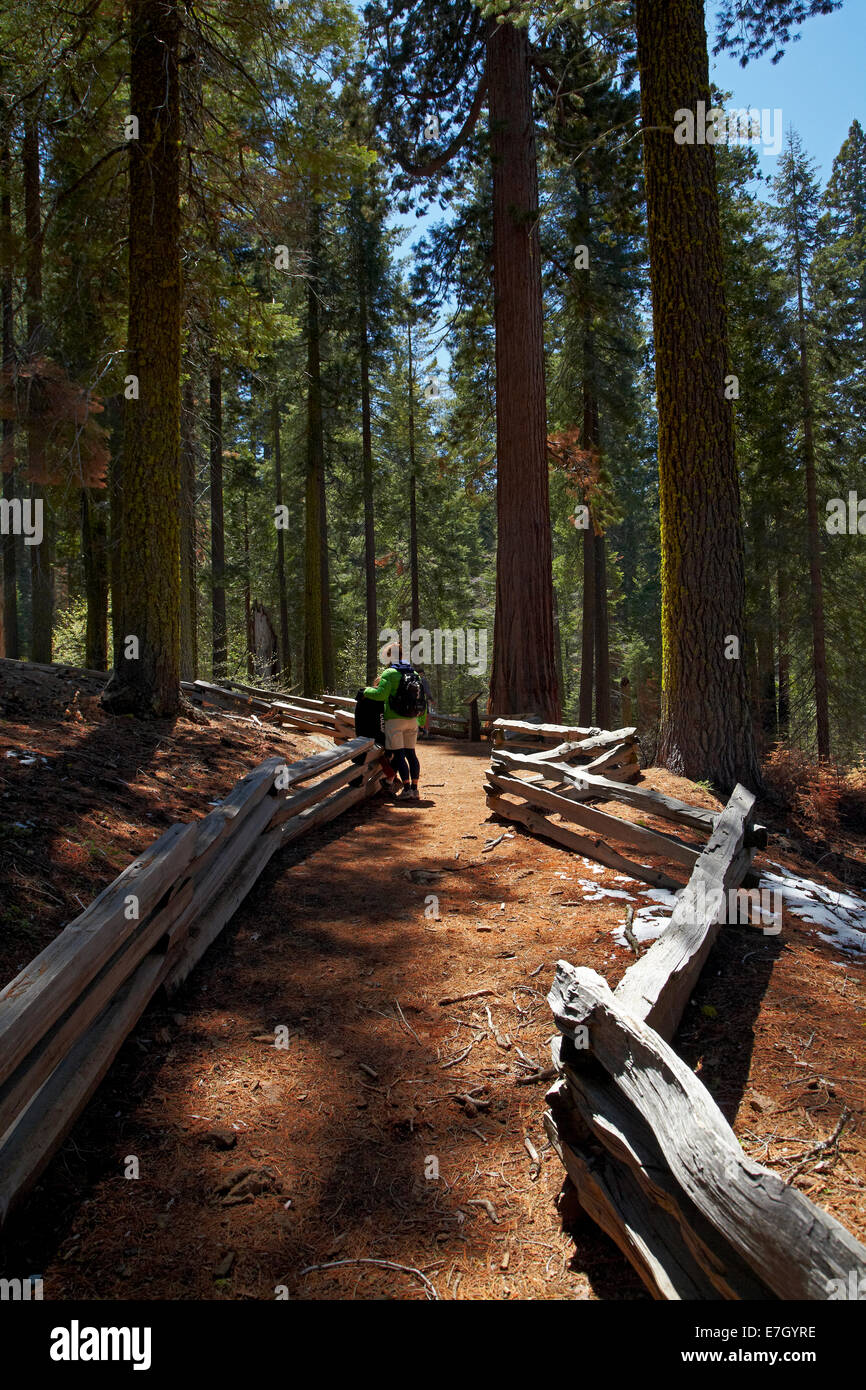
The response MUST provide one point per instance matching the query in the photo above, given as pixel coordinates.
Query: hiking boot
(412, 793)
(391, 791)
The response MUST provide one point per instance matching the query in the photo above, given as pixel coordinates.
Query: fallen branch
(460, 998)
(381, 1264)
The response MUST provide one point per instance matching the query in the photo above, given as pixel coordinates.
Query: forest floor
(257, 1162)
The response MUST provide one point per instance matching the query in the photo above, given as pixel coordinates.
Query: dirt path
(391, 1127)
(347, 1126)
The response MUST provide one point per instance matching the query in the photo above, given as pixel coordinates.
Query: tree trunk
(587, 636)
(219, 627)
(595, 554)
(7, 457)
(590, 638)
(148, 680)
(602, 638)
(285, 652)
(367, 482)
(523, 674)
(188, 596)
(764, 628)
(706, 729)
(327, 639)
(314, 665)
(248, 600)
(41, 585)
(114, 414)
(413, 497)
(94, 554)
(784, 654)
(557, 639)
(625, 702)
(816, 587)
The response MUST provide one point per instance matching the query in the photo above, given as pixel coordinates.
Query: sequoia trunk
(523, 675)
(706, 731)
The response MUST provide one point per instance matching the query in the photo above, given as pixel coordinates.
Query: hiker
(400, 687)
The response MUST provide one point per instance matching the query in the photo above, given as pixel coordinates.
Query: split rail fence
(65, 1016)
(651, 1158)
(332, 715)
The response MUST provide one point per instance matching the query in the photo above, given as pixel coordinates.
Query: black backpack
(369, 722)
(409, 699)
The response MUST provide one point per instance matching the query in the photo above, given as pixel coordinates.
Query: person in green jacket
(401, 689)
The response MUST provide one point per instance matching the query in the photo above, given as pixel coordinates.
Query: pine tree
(148, 681)
(838, 280)
(796, 190)
(706, 729)
(438, 54)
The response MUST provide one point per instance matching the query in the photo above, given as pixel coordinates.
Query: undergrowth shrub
(819, 796)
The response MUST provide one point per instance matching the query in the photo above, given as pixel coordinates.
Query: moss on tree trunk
(706, 729)
(147, 681)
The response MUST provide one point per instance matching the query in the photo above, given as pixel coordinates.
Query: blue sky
(819, 85)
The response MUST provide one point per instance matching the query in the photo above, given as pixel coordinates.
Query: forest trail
(332, 936)
(256, 1162)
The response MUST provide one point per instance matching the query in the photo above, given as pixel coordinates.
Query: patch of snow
(649, 921)
(841, 915)
(594, 892)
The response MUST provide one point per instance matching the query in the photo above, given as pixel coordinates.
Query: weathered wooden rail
(332, 715)
(596, 766)
(651, 1157)
(65, 1016)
